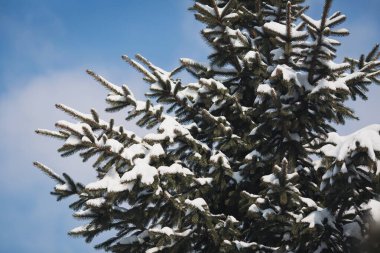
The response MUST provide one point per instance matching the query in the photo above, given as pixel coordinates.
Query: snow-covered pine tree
(245, 157)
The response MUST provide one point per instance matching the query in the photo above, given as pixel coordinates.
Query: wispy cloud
(24, 187)
(31, 107)
(26, 109)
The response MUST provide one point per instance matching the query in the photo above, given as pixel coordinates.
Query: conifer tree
(245, 158)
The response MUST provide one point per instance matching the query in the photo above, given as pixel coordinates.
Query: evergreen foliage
(243, 159)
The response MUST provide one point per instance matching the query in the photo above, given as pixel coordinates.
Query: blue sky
(45, 48)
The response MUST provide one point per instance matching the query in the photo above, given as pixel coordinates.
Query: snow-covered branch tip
(148, 76)
(49, 133)
(49, 172)
(105, 83)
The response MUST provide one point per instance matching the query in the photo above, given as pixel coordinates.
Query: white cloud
(22, 110)
(36, 221)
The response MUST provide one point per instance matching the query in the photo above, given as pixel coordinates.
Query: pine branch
(288, 44)
(50, 133)
(149, 77)
(97, 124)
(321, 30)
(105, 83)
(49, 172)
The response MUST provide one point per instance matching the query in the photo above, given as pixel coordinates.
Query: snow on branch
(281, 30)
(49, 172)
(342, 147)
(105, 83)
